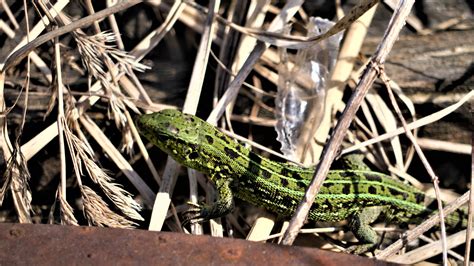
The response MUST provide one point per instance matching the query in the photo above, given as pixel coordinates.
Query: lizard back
(277, 186)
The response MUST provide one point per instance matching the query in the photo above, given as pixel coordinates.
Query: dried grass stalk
(16, 177)
(121, 198)
(98, 213)
(82, 155)
(99, 57)
(67, 212)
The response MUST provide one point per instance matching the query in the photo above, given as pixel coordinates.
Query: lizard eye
(189, 119)
(193, 155)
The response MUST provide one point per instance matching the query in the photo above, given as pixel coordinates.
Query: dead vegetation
(71, 86)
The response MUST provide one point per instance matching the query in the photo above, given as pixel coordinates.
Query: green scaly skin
(359, 195)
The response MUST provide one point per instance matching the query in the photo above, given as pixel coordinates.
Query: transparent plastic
(302, 90)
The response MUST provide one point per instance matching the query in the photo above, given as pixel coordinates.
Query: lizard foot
(359, 249)
(196, 213)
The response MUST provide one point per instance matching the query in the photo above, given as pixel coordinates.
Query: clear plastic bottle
(302, 90)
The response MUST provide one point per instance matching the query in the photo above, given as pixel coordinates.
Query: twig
(114, 26)
(471, 196)
(192, 99)
(38, 142)
(418, 123)
(10, 15)
(19, 54)
(273, 37)
(342, 70)
(153, 39)
(60, 121)
(422, 228)
(434, 177)
(147, 194)
(330, 152)
(431, 249)
(290, 8)
(446, 146)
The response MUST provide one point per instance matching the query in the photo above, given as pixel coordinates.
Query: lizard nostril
(173, 129)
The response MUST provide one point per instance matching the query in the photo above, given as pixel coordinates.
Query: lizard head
(175, 133)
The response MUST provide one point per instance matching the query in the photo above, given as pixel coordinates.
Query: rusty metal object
(28, 244)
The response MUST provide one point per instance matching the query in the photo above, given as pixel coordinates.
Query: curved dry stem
(21, 53)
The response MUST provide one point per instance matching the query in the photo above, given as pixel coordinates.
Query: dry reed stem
(48, 134)
(273, 37)
(278, 23)
(434, 177)
(114, 26)
(192, 17)
(126, 61)
(163, 199)
(16, 176)
(415, 124)
(67, 216)
(257, 90)
(37, 29)
(450, 240)
(227, 48)
(414, 233)
(10, 15)
(256, 18)
(193, 95)
(17, 55)
(350, 48)
(470, 216)
(261, 228)
(388, 122)
(446, 146)
(118, 159)
(35, 59)
(371, 131)
(6, 29)
(433, 248)
(154, 37)
(412, 20)
(329, 153)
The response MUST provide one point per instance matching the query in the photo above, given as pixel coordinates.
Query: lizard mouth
(142, 125)
(147, 128)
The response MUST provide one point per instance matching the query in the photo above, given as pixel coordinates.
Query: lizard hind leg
(360, 227)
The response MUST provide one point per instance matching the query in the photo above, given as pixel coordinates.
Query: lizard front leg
(223, 205)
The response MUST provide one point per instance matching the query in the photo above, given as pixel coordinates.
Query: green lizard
(358, 195)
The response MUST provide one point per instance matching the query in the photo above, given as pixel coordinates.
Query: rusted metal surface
(22, 244)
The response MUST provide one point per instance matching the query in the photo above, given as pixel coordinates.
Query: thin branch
(413, 234)
(286, 14)
(19, 54)
(471, 196)
(396, 24)
(434, 177)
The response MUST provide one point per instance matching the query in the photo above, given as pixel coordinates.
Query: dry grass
(112, 83)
